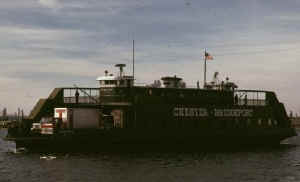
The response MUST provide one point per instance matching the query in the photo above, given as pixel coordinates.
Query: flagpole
(204, 84)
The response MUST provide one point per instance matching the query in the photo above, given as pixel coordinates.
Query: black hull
(176, 140)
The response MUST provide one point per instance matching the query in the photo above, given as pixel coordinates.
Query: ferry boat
(120, 115)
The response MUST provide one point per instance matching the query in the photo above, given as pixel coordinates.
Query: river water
(265, 164)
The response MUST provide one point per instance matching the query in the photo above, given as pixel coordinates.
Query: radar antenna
(121, 66)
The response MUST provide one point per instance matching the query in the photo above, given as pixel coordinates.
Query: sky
(57, 43)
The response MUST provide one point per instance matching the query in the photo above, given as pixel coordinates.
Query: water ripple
(274, 165)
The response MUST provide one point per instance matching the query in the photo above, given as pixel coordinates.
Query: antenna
(133, 60)
(204, 82)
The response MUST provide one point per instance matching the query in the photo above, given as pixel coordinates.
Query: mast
(133, 60)
(204, 82)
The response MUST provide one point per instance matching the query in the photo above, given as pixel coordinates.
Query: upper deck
(121, 89)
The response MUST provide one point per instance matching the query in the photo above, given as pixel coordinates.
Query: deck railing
(250, 97)
(81, 95)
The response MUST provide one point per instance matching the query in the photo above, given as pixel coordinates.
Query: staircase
(54, 93)
(43, 105)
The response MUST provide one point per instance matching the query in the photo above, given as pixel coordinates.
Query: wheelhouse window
(122, 82)
(108, 82)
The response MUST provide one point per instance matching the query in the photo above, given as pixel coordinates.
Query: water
(274, 165)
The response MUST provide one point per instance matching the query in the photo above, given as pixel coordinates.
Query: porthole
(150, 92)
(259, 121)
(270, 122)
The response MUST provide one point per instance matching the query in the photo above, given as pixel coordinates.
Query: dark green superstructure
(129, 115)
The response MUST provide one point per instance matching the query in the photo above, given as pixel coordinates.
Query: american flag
(208, 56)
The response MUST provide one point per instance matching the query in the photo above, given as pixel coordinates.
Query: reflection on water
(264, 164)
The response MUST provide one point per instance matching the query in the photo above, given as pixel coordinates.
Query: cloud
(50, 43)
(50, 3)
